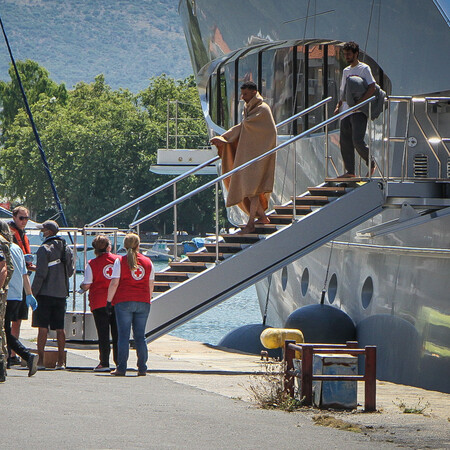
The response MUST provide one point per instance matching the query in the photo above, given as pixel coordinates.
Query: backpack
(356, 87)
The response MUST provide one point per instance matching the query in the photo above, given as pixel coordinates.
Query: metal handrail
(152, 192)
(305, 111)
(411, 112)
(194, 170)
(250, 162)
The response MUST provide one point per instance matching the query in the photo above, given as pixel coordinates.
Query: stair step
(327, 190)
(224, 247)
(277, 219)
(300, 209)
(318, 200)
(161, 286)
(263, 228)
(187, 266)
(178, 277)
(241, 238)
(343, 180)
(204, 256)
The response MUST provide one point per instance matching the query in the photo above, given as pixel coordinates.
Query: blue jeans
(131, 314)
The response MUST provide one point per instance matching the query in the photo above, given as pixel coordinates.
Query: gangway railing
(190, 172)
(220, 178)
(411, 113)
(250, 162)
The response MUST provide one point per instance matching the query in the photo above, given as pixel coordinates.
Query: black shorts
(12, 310)
(50, 312)
(22, 314)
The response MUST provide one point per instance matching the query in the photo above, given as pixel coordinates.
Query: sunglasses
(23, 217)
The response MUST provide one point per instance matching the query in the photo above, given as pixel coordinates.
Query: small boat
(159, 251)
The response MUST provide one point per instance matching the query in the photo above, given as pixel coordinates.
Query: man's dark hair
(249, 85)
(352, 46)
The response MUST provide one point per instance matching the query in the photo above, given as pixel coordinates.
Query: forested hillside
(126, 40)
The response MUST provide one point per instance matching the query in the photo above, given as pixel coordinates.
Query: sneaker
(32, 365)
(14, 361)
(60, 366)
(116, 373)
(101, 368)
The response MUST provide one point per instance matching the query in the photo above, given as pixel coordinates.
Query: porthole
(284, 278)
(332, 288)
(367, 292)
(305, 281)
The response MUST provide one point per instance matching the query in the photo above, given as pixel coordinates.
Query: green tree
(35, 81)
(100, 144)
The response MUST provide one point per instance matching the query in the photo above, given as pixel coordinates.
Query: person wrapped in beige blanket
(251, 187)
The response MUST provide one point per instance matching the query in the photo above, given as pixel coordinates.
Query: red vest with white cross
(134, 285)
(102, 268)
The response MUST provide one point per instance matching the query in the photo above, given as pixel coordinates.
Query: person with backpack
(54, 266)
(353, 126)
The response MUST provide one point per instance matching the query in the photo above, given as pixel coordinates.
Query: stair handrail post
(383, 139)
(388, 137)
(326, 142)
(369, 141)
(217, 220)
(175, 224)
(167, 125)
(176, 124)
(294, 183)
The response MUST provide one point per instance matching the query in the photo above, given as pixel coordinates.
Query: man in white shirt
(353, 126)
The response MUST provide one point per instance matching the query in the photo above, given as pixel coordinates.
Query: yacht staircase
(205, 278)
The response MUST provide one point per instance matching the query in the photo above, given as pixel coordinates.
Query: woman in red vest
(97, 276)
(130, 292)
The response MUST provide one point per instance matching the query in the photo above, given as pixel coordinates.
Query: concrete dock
(197, 396)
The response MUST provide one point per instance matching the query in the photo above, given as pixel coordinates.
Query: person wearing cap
(17, 226)
(97, 277)
(54, 266)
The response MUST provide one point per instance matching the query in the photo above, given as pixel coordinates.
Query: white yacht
(389, 267)
(375, 247)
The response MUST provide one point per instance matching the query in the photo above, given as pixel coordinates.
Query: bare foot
(264, 219)
(247, 229)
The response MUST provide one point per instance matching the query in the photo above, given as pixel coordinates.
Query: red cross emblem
(138, 273)
(107, 271)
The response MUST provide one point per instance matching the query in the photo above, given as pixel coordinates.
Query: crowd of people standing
(120, 290)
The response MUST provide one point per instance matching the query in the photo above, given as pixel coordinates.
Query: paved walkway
(195, 396)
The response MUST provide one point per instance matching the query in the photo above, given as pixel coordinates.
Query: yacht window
(212, 97)
(332, 288)
(305, 281)
(367, 292)
(227, 95)
(277, 82)
(248, 71)
(284, 278)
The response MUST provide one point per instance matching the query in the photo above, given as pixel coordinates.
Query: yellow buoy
(275, 337)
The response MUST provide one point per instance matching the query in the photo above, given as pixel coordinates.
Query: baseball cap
(49, 225)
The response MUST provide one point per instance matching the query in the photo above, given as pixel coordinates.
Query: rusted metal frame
(307, 377)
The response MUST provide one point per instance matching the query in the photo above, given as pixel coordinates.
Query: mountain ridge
(75, 40)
